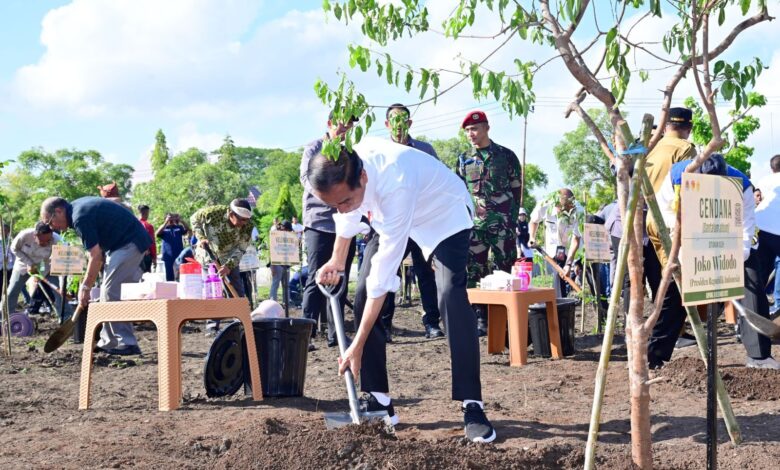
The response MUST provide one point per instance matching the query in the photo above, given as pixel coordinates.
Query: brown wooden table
(512, 307)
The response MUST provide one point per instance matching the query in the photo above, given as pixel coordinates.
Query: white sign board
(284, 248)
(597, 243)
(67, 260)
(711, 250)
(249, 261)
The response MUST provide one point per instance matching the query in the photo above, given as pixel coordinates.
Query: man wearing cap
(398, 123)
(32, 249)
(672, 148)
(758, 347)
(104, 226)
(319, 234)
(492, 175)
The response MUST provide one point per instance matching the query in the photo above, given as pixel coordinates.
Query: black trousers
(449, 261)
(426, 281)
(756, 345)
(672, 318)
(319, 249)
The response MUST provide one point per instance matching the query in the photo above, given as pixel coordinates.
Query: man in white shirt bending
(405, 195)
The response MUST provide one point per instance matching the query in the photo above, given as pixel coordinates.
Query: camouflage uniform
(226, 241)
(492, 176)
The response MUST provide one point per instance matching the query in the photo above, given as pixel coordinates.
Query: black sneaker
(433, 332)
(368, 402)
(388, 335)
(478, 428)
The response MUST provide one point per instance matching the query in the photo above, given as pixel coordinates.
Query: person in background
(277, 271)
(296, 227)
(108, 228)
(757, 196)
(768, 223)
(492, 176)
(523, 235)
(32, 249)
(561, 230)
(319, 235)
(150, 257)
(171, 232)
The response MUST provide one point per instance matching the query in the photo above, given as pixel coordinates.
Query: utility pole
(522, 166)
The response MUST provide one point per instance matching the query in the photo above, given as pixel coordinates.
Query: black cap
(680, 115)
(715, 165)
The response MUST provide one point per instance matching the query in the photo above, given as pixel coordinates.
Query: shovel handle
(558, 269)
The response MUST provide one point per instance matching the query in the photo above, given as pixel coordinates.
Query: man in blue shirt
(104, 227)
(172, 232)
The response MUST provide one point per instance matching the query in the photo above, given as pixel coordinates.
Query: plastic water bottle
(213, 284)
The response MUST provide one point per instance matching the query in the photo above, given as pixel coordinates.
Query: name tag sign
(249, 261)
(284, 248)
(597, 243)
(711, 250)
(67, 260)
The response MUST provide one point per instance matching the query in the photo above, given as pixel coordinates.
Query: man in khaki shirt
(672, 148)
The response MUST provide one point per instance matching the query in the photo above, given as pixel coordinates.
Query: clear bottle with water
(213, 283)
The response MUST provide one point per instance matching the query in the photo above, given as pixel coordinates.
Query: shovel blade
(763, 325)
(337, 420)
(59, 337)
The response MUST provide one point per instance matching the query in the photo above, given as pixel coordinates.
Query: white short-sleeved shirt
(557, 231)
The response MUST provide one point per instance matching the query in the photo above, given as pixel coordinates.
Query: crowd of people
(400, 200)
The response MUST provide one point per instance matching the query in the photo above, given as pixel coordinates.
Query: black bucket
(283, 347)
(538, 332)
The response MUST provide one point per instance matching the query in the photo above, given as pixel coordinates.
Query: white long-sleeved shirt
(668, 200)
(409, 195)
(768, 212)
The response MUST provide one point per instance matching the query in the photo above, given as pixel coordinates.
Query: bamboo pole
(724, 401)
(6, 306)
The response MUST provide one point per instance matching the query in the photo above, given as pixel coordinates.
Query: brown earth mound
(741, 382)
(279, 444)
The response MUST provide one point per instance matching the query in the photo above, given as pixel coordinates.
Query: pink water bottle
(524, 273)
(213, 283)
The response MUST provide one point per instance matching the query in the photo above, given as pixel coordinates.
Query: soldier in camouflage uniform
(492, 175)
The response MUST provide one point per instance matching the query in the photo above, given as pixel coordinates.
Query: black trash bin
(282, 348)
(537, 327)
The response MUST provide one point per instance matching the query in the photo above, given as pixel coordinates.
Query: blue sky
(92, 74)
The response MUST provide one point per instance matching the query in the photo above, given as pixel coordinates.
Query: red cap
(109, 190)
(474, 117)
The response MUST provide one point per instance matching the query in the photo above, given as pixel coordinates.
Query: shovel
(558, 269)
(763, 325)
(355, 415)
(62, 333)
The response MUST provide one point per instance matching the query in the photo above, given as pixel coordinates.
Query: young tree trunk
(636, 340)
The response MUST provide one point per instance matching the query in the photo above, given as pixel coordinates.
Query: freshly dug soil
(540, 411)
(741, 382)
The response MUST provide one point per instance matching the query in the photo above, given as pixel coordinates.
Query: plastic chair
(512, 306)
(168, 316)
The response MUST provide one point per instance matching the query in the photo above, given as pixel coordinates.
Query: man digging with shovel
(407, 195)
(104, 226)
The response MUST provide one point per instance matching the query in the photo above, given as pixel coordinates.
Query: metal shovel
(355, 415)
(763, 325)
(62, 333)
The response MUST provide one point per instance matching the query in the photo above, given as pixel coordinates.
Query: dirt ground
(540, 411)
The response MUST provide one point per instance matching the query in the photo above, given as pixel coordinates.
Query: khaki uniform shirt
(666, 153)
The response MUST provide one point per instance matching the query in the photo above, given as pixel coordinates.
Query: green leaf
(352, 6)
(326, 5)
(718, 67)
(643, 75)
(358, 133)
(337, 11)
(408, 81)
(727, 90)
(611, 35)
(389, 69)
(722, 16)
(745, 5)
(424, 82)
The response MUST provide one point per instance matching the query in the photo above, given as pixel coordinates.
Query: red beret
(474, 117)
